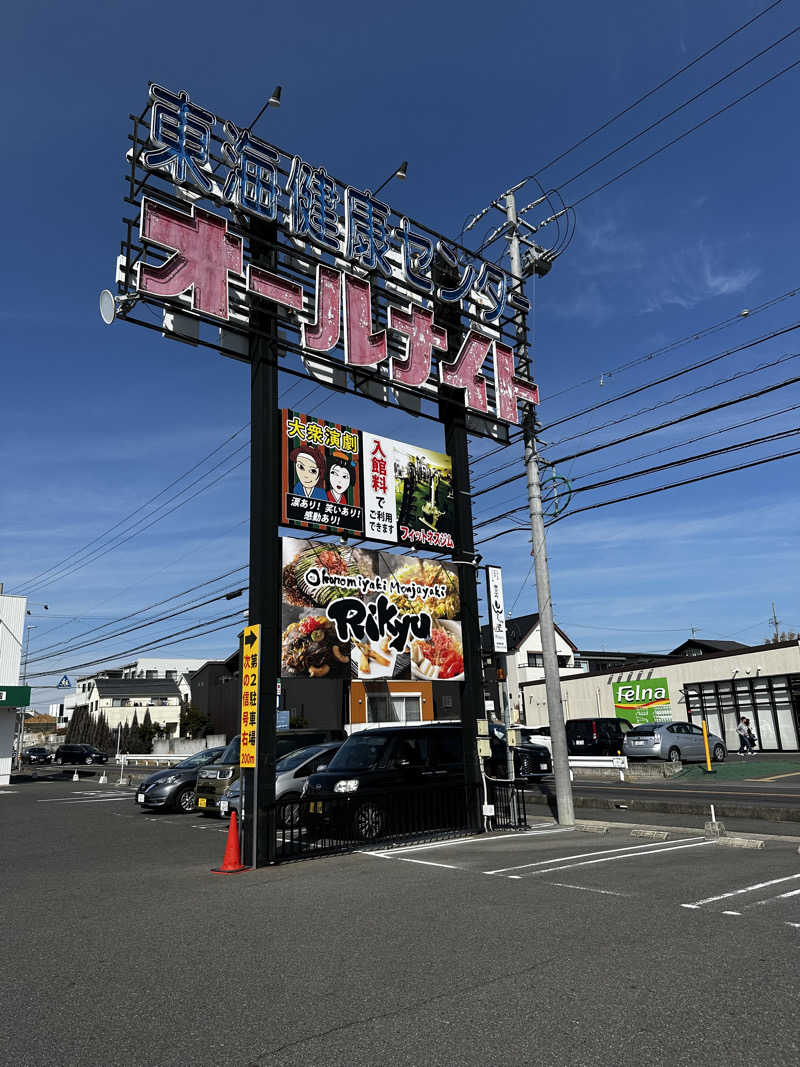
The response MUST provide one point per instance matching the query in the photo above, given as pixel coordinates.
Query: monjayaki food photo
(441, 657)
(336, 560)
(427, 573)
(310, 648)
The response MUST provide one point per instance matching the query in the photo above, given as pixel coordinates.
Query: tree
(135, 736)
(147, 731)
(194, 723)
(785, 635)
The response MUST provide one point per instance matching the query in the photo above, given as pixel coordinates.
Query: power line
(28, 583)
(61, 650)
(778, 436)
(673, 141)
(680, 107)
(656, 88)
(157, 643)
(699, 365)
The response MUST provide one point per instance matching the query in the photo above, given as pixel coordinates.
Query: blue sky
(98, 420)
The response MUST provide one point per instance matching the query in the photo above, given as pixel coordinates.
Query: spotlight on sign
(275, 99)
(111, 306)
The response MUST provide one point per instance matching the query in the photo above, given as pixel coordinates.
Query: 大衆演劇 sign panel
(353, 613)
(321, 474)
(353, 282)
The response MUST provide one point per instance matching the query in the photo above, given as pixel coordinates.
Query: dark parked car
(596, 737)
(174, 787)
(79, 754)
(531, 760)
(37, 754)
(213, 780)
(390, 778)
(290, 777)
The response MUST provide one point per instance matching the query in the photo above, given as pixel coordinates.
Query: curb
(679, 807)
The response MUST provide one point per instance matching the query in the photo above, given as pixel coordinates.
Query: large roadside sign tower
(250, 250)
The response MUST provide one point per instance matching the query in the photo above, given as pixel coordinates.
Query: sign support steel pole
(265, 557)
(552, 681)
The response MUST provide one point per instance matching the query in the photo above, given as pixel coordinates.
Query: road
(120, 947)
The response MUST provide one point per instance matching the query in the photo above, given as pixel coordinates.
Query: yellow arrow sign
(251, 657)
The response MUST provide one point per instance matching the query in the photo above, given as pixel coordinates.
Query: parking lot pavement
(685, 870)
(119, 947)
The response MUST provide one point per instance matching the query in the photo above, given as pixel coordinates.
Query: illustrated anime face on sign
(340, 475)
(309, 466)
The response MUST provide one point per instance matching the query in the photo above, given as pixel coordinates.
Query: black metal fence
(343, 823)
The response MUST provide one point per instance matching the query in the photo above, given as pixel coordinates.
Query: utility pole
(552, 681)
(775, 621)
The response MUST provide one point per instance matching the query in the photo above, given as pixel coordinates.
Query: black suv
(596, 737)
(79, 754)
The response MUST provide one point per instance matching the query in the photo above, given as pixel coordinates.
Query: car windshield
(231, 753)
(200, 759)
(362, 752)
(645, 728)
(531, 737)
(294, 759)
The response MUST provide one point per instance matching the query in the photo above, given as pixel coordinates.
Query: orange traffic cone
(232, 861)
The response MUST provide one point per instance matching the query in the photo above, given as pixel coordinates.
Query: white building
(157, 686)
(760, 683)
(524, 662)
(12, 625)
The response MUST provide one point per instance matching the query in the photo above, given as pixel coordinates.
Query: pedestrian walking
(743, 730)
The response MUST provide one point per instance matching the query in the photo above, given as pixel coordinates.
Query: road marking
(583, 855)
(430, 863)
(775, 777)
(585, 888)
(795, 925)
(629, 856)
(476, 839)
(731, 913)
(771, 900)
(739, 892)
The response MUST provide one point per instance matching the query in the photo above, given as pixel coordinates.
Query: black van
(596, 737)
(378, 776)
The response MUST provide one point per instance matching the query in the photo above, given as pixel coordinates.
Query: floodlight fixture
(111, 305)
(401, 173)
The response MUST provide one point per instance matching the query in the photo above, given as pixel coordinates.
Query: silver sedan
(673, 741)
(290, 776)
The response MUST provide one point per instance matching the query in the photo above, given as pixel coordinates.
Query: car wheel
(88, 760)
(60, 761)
(291, 810)
(719, 753)
(674, 755)
(186, 801)
(369, 822)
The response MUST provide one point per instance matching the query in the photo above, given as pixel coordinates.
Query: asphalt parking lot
(566, 946)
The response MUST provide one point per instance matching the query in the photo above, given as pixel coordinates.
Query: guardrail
(611, 763)
(145, 760)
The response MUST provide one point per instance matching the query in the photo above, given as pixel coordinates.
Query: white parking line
(629, 856)
(429, 863)
(739, 892)
(477, 839)
(771, 900)
(584, 855)
(585, 888)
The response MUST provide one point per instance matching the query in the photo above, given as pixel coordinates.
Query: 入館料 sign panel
(251, 655)
(353, 613)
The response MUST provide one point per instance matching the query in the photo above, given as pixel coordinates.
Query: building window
(173, 675)
(535, 659)
(151, 674)
(393, 707)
